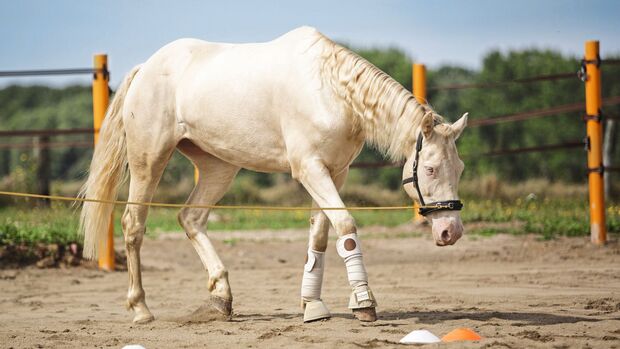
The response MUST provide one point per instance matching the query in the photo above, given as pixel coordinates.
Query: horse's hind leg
(215, 177)
(146, 165)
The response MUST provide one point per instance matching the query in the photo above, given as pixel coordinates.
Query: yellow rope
(225, 207)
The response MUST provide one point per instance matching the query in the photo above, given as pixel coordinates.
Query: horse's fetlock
(219, 274)
(218, 282)
(134, 297)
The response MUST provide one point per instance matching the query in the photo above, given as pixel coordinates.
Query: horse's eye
(429, 171)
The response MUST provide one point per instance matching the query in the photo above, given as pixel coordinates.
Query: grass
(547, 218)
(163, 220)
(59, 224)
(32, 226)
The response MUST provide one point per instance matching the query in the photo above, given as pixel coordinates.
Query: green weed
(547, 218)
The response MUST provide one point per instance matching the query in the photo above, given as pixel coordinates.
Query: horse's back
(194, 66)
(175, 58)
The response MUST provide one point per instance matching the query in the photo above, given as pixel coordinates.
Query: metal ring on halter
(424, 209)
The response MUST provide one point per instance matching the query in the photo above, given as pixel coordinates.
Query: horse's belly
(241, 136)
(258, 151)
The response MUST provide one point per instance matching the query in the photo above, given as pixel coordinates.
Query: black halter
(448, 205)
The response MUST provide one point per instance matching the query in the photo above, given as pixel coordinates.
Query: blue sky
(66, 33)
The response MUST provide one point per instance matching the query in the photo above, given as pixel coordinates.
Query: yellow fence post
(196, 175)
(419, 92)
(594, 128)
(101, 98)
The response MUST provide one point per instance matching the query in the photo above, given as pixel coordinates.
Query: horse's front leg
(317, 180)
(314, 265)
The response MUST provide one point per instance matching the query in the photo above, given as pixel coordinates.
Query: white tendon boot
(349, 249)
(314, 308)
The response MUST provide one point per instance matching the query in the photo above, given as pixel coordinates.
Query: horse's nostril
(445, 236)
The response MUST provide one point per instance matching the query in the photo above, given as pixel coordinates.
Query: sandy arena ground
(517, 292)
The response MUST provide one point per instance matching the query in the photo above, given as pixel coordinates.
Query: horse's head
(438, 169)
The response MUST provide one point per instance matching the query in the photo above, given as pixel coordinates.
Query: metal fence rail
(44, 72)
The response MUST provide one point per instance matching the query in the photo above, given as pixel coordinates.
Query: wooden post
(101, 98)
(419, 92)
(594, 128)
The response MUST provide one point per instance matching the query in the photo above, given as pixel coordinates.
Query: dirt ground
(516, 292)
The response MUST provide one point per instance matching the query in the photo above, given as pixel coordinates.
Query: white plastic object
(420, 337)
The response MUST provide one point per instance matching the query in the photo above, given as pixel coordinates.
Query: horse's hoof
(222, 305)
(143, 318)
(365, 314)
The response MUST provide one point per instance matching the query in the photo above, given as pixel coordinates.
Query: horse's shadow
(438, 316)
(520, 318)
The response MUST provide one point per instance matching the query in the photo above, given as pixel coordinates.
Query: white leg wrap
(349, 248)
(313, 276)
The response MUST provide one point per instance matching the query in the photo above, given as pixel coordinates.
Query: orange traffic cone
(461, 334)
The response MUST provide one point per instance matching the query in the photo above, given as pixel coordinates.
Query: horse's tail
(107, 172)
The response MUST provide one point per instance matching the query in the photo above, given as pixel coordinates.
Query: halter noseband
(448, 205)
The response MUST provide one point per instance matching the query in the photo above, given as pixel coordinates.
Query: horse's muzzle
(447, 231)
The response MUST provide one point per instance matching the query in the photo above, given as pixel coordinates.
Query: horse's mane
(382, 109)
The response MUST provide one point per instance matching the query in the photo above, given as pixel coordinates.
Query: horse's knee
(346, 226)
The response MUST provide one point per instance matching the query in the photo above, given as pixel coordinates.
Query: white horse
(300, 104)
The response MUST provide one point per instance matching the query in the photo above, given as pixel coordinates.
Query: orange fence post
(419, 92)
(594, 128)
(419, 82)
(196, 175)
(101, 98)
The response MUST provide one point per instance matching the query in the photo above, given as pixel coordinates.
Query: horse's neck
(385, 112)
(392, 130)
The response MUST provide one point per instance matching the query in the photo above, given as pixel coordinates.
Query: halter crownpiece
(424, 209)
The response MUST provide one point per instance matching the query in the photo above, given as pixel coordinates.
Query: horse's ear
(459, 126)
(427, 125)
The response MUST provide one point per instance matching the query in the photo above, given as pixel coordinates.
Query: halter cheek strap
(414, 178)
(448, 205)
